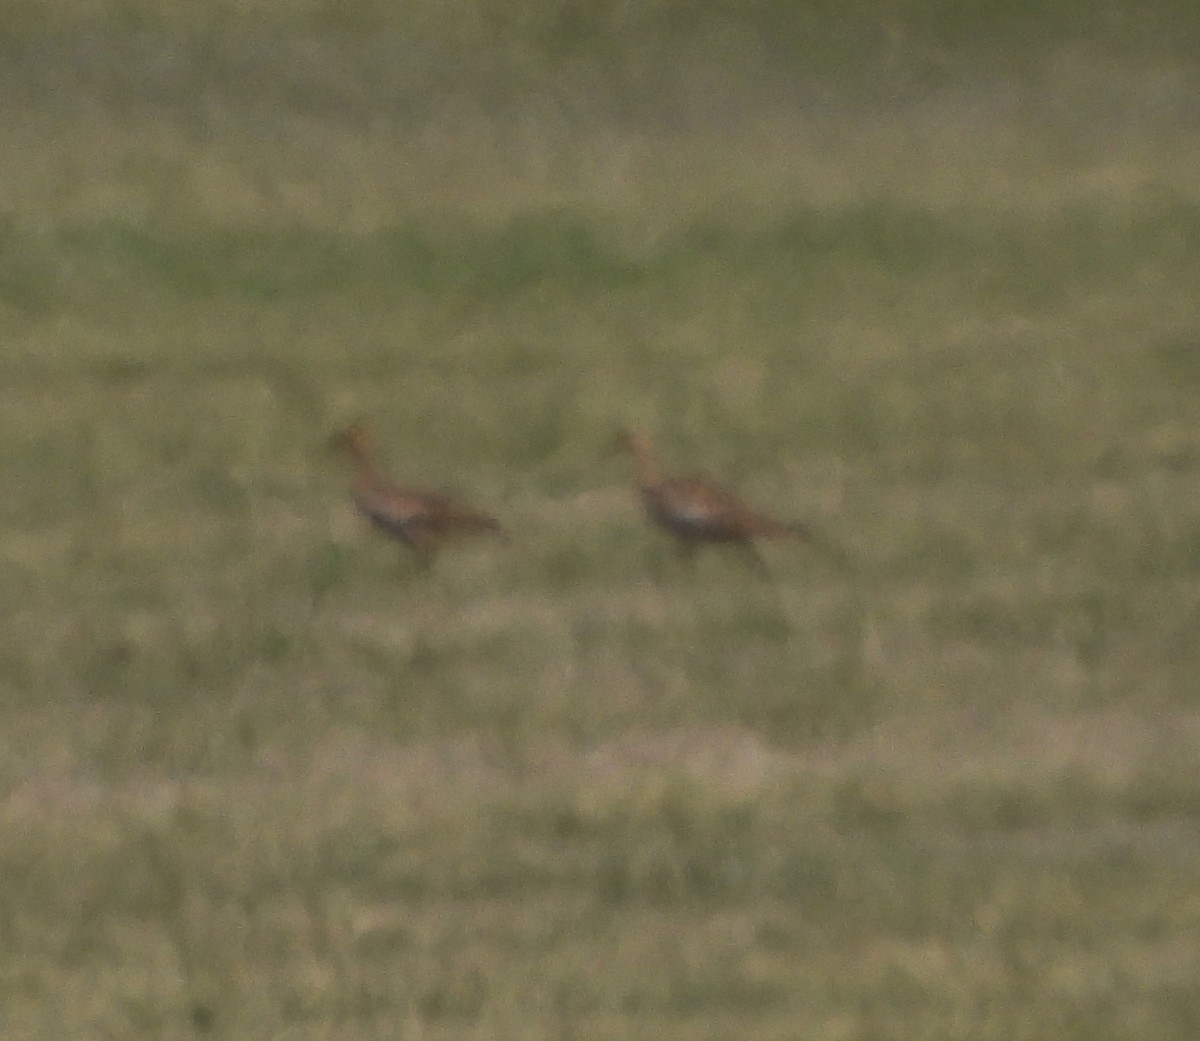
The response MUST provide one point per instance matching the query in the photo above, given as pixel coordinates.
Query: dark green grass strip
(571, 250)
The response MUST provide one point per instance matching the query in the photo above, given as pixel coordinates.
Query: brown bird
(696, 511)
(419, 519)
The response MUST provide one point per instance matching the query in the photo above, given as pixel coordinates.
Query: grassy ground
(927, 283)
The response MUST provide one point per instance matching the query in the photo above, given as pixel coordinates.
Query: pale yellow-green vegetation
(923, 275)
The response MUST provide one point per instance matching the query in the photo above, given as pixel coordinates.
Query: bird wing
(392, 506)
(697, 508)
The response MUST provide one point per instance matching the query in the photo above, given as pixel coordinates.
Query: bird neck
(645, 468)
(361, 460)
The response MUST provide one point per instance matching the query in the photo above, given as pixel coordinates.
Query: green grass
(885, 269)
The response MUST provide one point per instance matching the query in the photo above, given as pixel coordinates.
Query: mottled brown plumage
(419, 519)
(697, 511)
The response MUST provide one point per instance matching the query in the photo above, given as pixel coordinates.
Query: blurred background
(920, 274)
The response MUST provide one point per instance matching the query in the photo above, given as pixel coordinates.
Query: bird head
(355, 440)
(632, 442)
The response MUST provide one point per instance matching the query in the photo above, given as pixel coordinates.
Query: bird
(696, 511)
(420, 520)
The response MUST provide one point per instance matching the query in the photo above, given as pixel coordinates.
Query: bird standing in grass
(421, 520)
(696, 511)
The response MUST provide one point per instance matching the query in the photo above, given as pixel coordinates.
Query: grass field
(919, 275)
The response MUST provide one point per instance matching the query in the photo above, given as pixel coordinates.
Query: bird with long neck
(421, 520)
(697, 511)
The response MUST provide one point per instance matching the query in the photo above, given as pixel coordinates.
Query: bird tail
(770, 529)
(818, 540)
(454, 518)
(481, 522)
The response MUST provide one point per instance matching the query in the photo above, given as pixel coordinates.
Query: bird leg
(685, 551)
(753, 558)
(422, 553)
